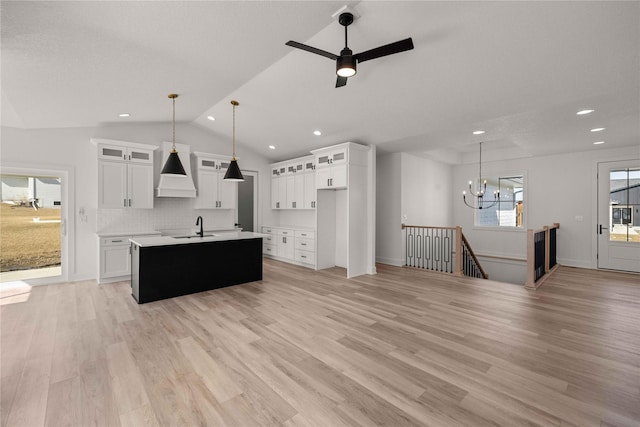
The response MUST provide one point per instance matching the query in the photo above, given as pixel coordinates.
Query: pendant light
(480, 202)
(173, 165)
(233, 172)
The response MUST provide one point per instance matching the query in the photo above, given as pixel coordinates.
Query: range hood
(176, 185)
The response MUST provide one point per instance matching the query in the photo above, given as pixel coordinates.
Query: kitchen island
(166, 267)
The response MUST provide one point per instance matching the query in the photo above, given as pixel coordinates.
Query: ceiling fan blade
(341, 81)
(388, 49)
(312, 49)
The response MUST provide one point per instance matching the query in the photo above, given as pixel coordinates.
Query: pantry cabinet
(293, 184)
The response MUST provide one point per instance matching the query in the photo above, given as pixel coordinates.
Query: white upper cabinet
(309, 183)
(213, 191)
(332, 164)
(122, 153)
(332, 156)
(125, 175)
(293, 184)
(278, 186)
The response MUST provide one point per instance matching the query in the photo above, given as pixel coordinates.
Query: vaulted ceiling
(517, 70)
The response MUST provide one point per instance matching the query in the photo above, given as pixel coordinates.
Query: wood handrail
(428, 226)
(545, 228)
(475, 259)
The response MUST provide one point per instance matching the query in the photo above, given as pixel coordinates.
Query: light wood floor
(305, 348)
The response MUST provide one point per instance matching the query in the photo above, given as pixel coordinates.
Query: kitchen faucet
(200, 222)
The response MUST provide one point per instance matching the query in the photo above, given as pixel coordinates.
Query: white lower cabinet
(115, 258)
(289, 244)
(284, 243)
(114, 262)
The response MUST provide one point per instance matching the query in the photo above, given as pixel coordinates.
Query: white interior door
(618, 215)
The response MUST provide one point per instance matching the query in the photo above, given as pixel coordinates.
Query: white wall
(70, 147)
(559, 188)
(426, 192)
(413, 190)
(388, 209)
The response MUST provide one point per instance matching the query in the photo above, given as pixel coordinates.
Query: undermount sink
(194, 237)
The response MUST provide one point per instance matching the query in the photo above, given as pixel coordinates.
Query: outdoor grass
(26, 244)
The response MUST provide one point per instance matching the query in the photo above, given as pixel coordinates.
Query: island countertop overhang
(184, 240)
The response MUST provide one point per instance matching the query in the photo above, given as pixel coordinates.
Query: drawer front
(269, 240)
(306, 234)
(305, 257)
(305, 244)
(285, 232)
(116, 241)
(269, 250)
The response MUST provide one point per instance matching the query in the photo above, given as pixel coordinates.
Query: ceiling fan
(346, 62)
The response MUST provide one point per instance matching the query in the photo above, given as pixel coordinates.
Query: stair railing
(541, 255)
(470, 265)
(441, 249)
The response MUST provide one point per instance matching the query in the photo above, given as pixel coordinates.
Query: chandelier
(479, 200)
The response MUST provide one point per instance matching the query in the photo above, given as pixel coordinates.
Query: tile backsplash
(168, 213)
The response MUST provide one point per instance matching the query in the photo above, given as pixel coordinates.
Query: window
(509, 210)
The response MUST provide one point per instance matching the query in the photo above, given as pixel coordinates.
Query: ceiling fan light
(346, 66)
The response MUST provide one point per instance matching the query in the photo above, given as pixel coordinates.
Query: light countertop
(217, 237)
(291, 227)
(128, 233)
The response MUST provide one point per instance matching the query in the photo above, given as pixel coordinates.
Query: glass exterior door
(619, 215)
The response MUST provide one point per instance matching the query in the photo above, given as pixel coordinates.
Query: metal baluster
(406, 248)
(411, 247)
(447, 249)
(417, 246)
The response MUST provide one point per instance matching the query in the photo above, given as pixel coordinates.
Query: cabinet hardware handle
(116, 241)
(129, 202)
(125, 202)
(303, 244)
(303, 256)
(328, 182)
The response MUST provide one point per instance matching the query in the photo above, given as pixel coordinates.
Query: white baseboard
(578, 263)
(398, 262)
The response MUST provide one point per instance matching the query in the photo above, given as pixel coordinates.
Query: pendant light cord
(173, 96)
(233, 135)
(173, 121)
(480, 177)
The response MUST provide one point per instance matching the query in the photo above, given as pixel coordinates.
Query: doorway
(619, 215)
(248, 201)
(34, 224)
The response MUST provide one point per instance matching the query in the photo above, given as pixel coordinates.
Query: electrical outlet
(579, 218)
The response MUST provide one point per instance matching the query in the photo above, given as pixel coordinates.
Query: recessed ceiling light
(211, 118)
(598, 143)
(597, 129)
(478, 132)
(273, 147)
(124, 115)
(317, 133)
(583, 112)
